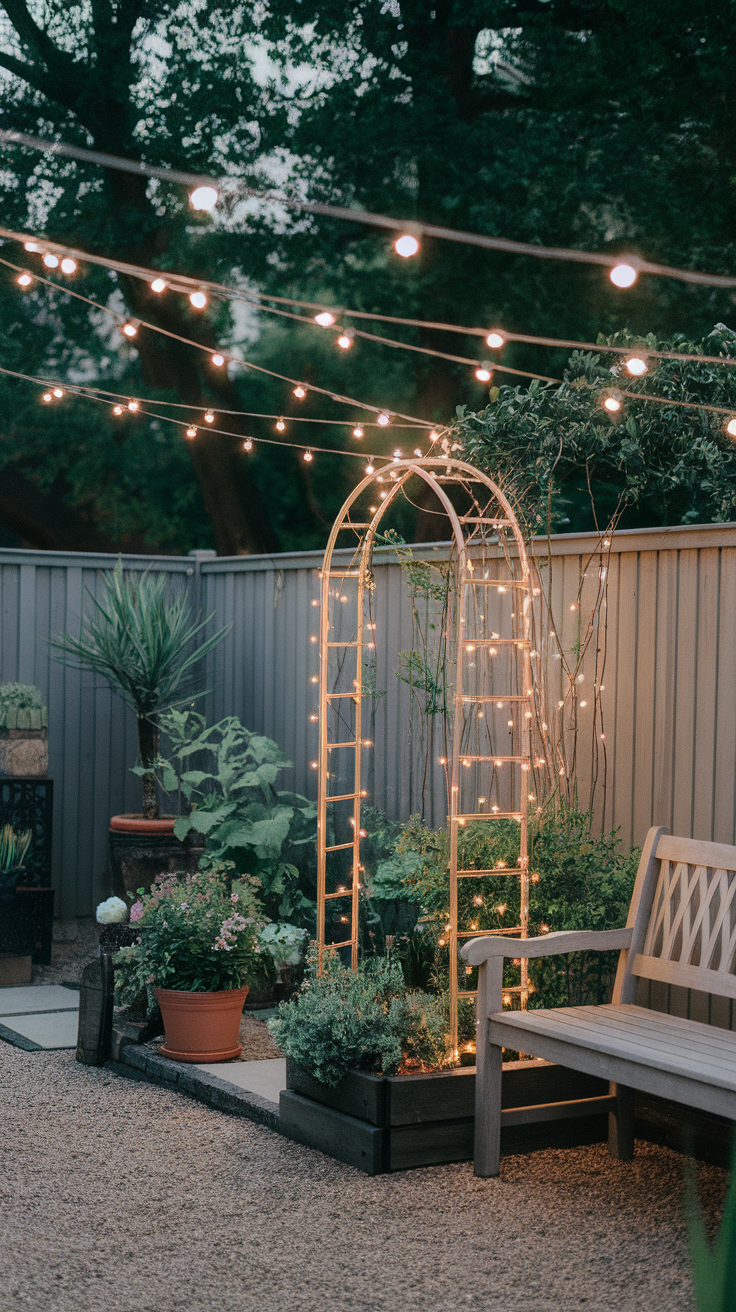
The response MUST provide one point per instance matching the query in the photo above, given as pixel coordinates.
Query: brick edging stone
(148, 1064)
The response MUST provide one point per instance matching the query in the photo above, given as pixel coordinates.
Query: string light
(280, 425)
(308, 456)
(324, 319)
(58, 393)
(383, 419)
(209, 417)
(30, 246)
(191, 432)
(300, 391)
(117, 409)
(25, 280)
(130, 328)
(406, 245)
(68, 265)
(495, 339)
(730, 426)
(47, 397)
(417, 451)
(203, 198)
(623, 275)
(198, 299)
(483, 374)
(218, 359)
(345, 340)
(370, 469)
(248, 444)
(158, 285)
(636, 366)
(358, 432)
(133, 405)
(50, 260)
(612, 403)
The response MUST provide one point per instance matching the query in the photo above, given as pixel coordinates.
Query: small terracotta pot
(201, 1026)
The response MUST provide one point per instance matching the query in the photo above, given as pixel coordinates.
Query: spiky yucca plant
(143, 645)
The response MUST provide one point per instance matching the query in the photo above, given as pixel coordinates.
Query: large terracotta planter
(141, 849)
(201, 1026)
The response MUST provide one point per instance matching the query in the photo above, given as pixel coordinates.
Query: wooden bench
(681, 931)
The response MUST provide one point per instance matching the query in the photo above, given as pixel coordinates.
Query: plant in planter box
(366, 1020)
(146, 647)
(13, 852)
(24, 748)
(197, 950)
(241, 817)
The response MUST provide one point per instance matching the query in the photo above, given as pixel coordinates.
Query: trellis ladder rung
(331, 696)
(340, 847)
(347, 944)
(344, 644)
(348, 893)
(485, 933)
(495, 583)
(342, 797)
(496, 642)
(488, 815)
(465, 757)
(487, 698)
(340, 573)
(331, 746)
(483, 874)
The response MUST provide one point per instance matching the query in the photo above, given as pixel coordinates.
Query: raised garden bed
(393, 1123)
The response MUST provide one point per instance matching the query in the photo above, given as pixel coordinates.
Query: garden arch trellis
(492, 717)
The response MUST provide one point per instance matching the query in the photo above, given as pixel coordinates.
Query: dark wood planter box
(384, 1123)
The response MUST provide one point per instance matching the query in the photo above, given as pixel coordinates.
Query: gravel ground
(124, 1196)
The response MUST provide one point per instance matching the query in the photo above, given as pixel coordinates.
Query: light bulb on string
(623, 275)
(117, 409)
(30, 246)
(58, 393)
(484, 373)
(248, 444)
(68, 265)
(731, 427)
(345, 340)
(495, 339)
(325, 319)
(406, 245)
(203, 198)
(370, 468)
(358, 432)
(384, 419)
(280, 425)
(417, 451)
(308, 456)
(612, 403)
(133, 405)
(25, 280)
(50, 260)
(191, 432)
(636, 366)
(198, 299)
(47, 397)
(130, 328)
(158, 285)
(209, 417)
(300, 391)
(218, 359)
(433, 437)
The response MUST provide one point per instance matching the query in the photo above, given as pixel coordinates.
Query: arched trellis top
(491, 650)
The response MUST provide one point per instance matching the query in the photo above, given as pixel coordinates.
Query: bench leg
(488, 1072)
(621, 1124)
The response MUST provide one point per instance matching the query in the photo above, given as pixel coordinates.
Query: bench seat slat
(717, 1040)
(599, 1029)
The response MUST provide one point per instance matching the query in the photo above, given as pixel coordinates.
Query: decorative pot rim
(139, 824)
(200, 996)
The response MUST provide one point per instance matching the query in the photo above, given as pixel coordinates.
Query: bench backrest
(683, 916)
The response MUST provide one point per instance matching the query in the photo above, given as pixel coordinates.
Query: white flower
(112, 912)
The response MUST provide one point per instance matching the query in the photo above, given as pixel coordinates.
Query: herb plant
(20, 696)
(234, 805)
(366, 1019)
(197, 933)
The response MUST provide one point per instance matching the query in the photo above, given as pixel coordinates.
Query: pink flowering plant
(197, 933)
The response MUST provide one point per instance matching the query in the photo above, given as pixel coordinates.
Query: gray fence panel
(669, 700)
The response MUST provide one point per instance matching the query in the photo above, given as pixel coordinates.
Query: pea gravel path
(118, 1196)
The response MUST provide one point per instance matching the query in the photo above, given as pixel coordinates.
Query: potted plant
(24, 720)
(146, 647)
(196, 952)
(13, 852)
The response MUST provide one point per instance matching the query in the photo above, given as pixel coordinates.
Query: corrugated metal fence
(669, 699)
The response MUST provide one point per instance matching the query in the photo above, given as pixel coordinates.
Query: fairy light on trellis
(623, 275)
(198, 299)
(280, 425)
(218, 359)
(484, 373)
(300, 391)
(130, 328)
(209, 417)
(191, 432)
(248, 444)
(636, 366)
(158, 286)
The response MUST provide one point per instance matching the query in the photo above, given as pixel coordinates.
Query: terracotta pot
(141, 849)
(139, 824)
(201, 1026)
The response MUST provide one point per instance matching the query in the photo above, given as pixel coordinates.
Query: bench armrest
(479, 950)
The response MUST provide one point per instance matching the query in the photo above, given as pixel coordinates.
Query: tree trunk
(148, 745)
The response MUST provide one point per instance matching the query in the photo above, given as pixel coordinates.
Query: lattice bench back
(683, 915)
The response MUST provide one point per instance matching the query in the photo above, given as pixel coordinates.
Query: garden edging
(209, 1089)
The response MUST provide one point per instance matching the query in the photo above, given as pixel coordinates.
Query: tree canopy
(600, 125)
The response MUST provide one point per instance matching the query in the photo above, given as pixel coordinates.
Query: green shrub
(365, 1019)
(20, 696)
